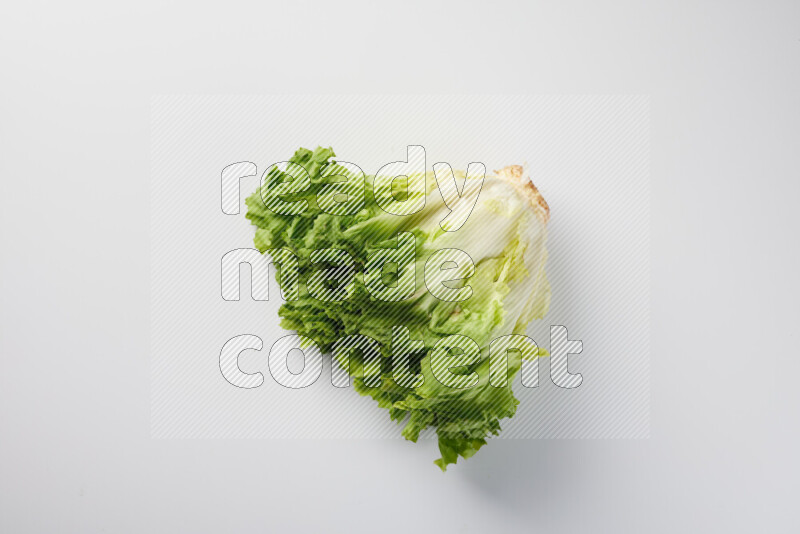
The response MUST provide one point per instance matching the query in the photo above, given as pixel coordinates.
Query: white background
(75, 447)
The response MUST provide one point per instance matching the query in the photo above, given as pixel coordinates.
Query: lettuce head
(501, 290)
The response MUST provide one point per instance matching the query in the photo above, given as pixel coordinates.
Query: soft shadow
(517, 472)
